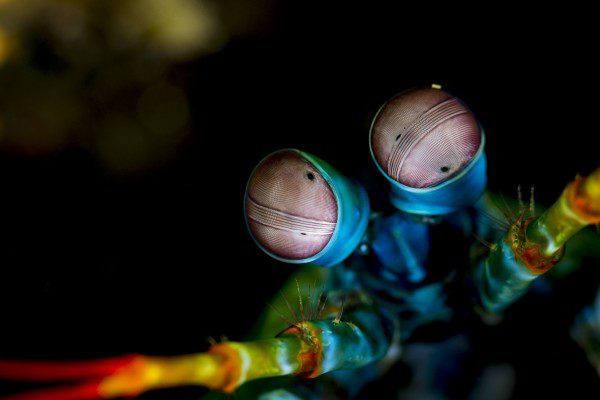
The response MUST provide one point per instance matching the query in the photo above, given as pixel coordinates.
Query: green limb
(308, 348)
(533, 246)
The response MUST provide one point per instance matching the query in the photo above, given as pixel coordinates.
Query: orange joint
(310, 356)
(530, 253)
(584, 197)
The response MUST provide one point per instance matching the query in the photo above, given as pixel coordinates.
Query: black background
(94, 265)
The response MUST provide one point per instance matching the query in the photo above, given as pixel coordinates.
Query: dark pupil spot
(444, 169)
(310, 176)
(302, 233)
(398, 137)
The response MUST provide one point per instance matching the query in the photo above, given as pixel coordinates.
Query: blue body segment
(396, 271)
(353, 216)
(401, 245)
(460, 191)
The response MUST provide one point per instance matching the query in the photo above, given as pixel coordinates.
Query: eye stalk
(299, 209)
(429, 146)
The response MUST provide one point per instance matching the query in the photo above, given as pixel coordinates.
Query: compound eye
(290, 208)
(423, 137)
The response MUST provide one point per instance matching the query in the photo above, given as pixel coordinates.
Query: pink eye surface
(290, 208)
(424, 136)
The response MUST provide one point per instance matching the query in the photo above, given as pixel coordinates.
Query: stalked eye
(290, 208)
(423, 137)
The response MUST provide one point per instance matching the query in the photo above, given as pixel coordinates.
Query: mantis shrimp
(374, 278)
